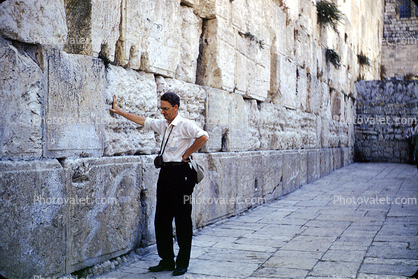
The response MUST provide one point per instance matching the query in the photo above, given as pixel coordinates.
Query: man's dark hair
(172, 98)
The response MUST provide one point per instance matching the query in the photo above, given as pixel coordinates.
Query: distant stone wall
(385, 110)
(400, 41)
(253, 73)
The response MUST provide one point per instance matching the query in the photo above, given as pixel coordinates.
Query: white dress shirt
(181, 138)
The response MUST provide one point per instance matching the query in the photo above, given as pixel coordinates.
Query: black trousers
(175, 184)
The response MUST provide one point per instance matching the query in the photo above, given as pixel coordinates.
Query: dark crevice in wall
(201, 66)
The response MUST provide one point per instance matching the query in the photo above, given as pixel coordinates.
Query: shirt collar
(175, 120)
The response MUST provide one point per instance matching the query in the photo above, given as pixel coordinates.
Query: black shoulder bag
(158, 161)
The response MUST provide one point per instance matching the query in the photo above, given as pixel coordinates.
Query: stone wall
(400, 41)
(252, 73)
(385, 110)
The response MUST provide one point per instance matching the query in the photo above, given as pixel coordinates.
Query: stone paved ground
(358, 222)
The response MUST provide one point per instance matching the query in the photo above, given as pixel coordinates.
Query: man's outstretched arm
(135, 118)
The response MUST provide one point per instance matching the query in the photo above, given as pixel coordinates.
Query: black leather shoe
(179, 271)
(162, 266)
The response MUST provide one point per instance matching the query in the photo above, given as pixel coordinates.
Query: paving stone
(307, 246)
(335, 255)
(335, 269)
(222, 268)
(244, 247)
(278, 272)
(229, 255)
(392, 250)
(385, 269)
(289, 262)
(328, 224)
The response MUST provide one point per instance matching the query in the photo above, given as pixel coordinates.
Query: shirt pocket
(173, 144)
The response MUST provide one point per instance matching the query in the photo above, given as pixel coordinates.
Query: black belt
(173, 164)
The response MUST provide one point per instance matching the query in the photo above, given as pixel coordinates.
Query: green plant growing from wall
(252, 38)
(328, 14)
(333, 57)
(363, 60)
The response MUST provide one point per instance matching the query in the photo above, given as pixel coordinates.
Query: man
(181, 138)
(409, 133)
(415, 144)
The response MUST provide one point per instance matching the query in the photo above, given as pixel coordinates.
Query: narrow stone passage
(358, 222)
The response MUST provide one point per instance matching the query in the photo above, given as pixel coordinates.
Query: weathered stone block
(191, 29)
(303, 174)
(337, 158)
(21, 88)
(34, 22)
(209, 9)
(216, 119)
(108, 216)
(325, 161)
(217, 59)
(314, 165)
(272, 179)
(254, 135)
(33, 217)
(216, 199)
(288, 84)
(291, 171)
(75, 105)
(150, 36)
(227, 121)
(237, 135)
(93, 27)
(302, 88)
(136, 93)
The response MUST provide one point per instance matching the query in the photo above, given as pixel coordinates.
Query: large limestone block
(337, 158)
(288, 84)
(137, 94)
(314, 95)
(21, 116)
(74, 115)
(271, 180)
(283, 82)
(217, 59)
(302, 47)
(292, 8)
(217, 116)
(108, 215)
(150, 36)
(253, 125)
(291, 171)
(308, 126)
(303, 168)
(93, 27)
(192, 98)
(314, 165)
(325, 155)
(33, 218)
(210, 9)
(217, 199)
(237, 135)
(34, 21)
(250, 177)
(227, 121)
(272, 124)
(191, 29)
(302, 88)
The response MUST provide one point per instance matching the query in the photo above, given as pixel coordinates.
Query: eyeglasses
(165, 109)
